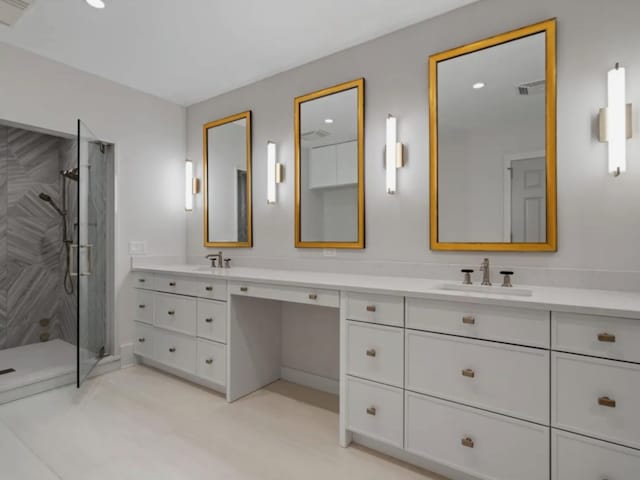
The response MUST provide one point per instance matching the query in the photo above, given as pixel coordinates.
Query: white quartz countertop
(596, 302)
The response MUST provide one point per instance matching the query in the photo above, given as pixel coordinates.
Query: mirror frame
(551, 245)
(358, 244)
(205, 181)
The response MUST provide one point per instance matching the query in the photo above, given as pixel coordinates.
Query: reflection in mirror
(329, 168)
(495, 123)
(227, 186)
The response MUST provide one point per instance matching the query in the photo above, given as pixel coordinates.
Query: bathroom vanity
(540, 384)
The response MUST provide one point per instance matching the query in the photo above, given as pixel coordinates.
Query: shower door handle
(72, 247)
(89, 248)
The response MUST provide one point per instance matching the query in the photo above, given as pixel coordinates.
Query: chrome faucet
(215, 258)
(486, 273)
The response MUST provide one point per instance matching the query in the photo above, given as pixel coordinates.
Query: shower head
(71, 174)
(46, 198)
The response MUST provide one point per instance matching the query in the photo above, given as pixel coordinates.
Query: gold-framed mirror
(492, 130)
(329, 167)
(227, 182)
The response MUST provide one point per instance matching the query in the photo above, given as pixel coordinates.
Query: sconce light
(191, 185)
(275, 173)
(615, 121)
(393, 154)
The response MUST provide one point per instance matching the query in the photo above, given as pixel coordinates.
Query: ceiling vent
(314, 135)
(12, 10)
(532, 88)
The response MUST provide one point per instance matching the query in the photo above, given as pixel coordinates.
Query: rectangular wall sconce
(393, 154)
(191, 185)
(615, 121)
(275, 173)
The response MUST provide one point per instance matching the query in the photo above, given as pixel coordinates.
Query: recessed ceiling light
(95, 3)
(328, 120)
(479, 85)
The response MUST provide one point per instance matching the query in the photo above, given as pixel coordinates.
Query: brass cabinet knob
(469, 320)
(142, 306)
(172, 349)
(371, 308)
(209, 288)
(371, 352)
(209, 361)
(606, 337)
(244, 289)
(313, 296)
(172, 284)
(142, 340)
(171, 312)
(467, 442)
(468, 373)
(208, 320)
(371, 411)
(607, 402)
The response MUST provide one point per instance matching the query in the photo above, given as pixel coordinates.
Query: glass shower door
(90, 251)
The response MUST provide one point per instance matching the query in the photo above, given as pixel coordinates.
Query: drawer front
(143, 344)
(383, 309)
(376, 353)
(502, 378)
(144, 306)
(212, 320)
(175, 313)
(175, 350)
(375, 410)
(608, 337)
(502, 324)
(311, 296)
(175, 284)
(212, 362)
(481, 444)
(595, 397)
(143, 280)
(581, 458)
(211, 289)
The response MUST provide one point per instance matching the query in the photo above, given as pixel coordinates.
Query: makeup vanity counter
(469, 384)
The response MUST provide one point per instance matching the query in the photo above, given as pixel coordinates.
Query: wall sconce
(615, 121)
(275, 173)
(393, 154)
(191, 185)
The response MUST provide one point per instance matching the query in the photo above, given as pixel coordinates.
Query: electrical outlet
(137, 248)
(329, 252)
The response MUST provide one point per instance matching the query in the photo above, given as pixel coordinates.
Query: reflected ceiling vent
(314, 135)
(532, 88)
(12, 10)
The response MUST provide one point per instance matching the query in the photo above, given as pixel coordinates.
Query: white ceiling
(189, 50)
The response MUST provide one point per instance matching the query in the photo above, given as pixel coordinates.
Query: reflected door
(528, 200)
(91, 248)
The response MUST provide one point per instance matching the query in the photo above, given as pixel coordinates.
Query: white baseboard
(310, 380)
(127, 358)
(181, 374)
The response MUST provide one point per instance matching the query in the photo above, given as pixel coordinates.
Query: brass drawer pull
(172, 284)
(469, 320)
(313, 296)
(371, 352)
(607, 402)
(208, 320)
(172, 349)
(467, 442)
(142, 340)
(141, 280)
(371, 411)
(209, 361)
(468, 373)
(244, 289)
(606, 337)
(371, 308)
(209, 288)
(171, 312)
(142, 306)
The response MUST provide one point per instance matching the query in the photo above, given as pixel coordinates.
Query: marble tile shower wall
(31, 256)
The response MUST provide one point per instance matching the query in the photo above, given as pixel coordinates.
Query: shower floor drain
(8, 370)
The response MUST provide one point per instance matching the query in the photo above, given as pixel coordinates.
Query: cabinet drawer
(608, 337)
(375, 352)
(383, 309)
(212, 362)
(580, 458)
(503, 378)
(502, 324)
(142, 280)
(143, 344)
(175, 313)
(212, 289)
(375, 410)
(212, 320)
(175, 284)
(144, 306)
(480, 444)
(311, 296)
(595, 397)
(175, 350)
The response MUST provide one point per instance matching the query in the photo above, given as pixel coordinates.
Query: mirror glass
(329, 169)
(493, 155)
(227, 190)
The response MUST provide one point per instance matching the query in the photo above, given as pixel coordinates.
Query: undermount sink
(490, 290)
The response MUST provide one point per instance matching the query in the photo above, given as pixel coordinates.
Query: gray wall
(597, 214)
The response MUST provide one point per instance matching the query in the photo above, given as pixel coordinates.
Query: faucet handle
(507, 278)
(227, 263)
(212, 258)
(467, 276)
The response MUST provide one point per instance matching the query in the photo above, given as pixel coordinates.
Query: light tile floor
(141, 424)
